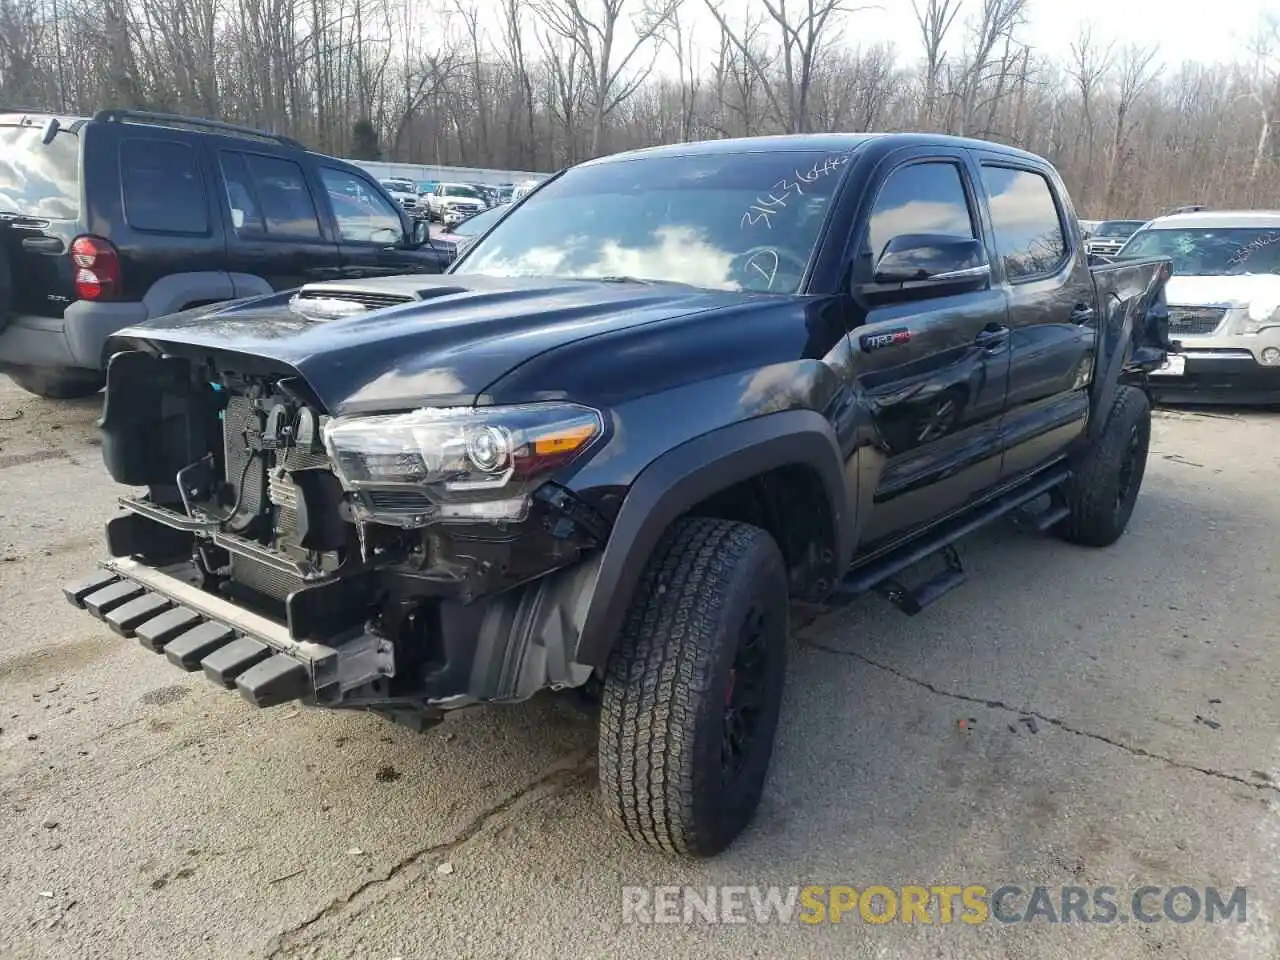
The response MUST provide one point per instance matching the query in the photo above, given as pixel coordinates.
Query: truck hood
(1259, 293)
(451, 337)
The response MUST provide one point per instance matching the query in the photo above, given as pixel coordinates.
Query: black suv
(109, 221)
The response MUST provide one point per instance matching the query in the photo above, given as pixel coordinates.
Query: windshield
(36, 179)
(724, 221)
(459, 190)
(398, 186)
(1211, 252)
(1117, 229)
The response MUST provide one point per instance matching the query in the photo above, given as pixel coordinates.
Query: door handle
(991, 337)
(1081, 313)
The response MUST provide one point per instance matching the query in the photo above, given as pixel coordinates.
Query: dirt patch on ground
(57, 660)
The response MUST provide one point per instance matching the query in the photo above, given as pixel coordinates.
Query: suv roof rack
(173, 119)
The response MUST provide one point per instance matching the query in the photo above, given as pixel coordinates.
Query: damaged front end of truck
(405, 562)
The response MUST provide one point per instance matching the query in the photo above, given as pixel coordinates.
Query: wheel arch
(705, 476)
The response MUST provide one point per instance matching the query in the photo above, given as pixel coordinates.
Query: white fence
(423, 171)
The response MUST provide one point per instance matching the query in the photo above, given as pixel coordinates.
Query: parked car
(130, 215)
(470, 229)
(451, 203)
(405, 193)
(1224, 304)
(663, 396)
(1109, 236)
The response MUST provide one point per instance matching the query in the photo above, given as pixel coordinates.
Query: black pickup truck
(664, 399)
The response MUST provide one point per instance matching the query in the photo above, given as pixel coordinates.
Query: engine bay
(240, 487)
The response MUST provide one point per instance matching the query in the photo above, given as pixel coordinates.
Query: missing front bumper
(234, 647)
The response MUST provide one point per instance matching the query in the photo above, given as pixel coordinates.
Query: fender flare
(686, 475)
(171, 293)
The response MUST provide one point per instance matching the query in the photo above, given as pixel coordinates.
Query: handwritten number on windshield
(1243, 254)
(764, 207)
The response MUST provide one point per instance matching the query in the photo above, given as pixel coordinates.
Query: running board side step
(881, 573)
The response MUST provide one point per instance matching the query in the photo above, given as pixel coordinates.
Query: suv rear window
(36, 179)
(162, 185)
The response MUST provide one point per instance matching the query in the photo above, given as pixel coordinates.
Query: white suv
(451, 203)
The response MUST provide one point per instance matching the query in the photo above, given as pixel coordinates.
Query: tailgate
(40, 192)
(37, 253)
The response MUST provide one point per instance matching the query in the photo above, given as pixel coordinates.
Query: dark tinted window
(920, 198)
(246, 215)
(280, 188)
(1025, 217)
(37, 179)
(162, 187)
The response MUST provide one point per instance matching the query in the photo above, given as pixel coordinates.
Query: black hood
(455, 336)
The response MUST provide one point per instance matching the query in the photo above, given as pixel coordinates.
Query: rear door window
(1026, 221)
(269, 196)
(162, 187)
(38, 179)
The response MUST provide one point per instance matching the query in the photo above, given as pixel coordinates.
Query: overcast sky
(1203, 30)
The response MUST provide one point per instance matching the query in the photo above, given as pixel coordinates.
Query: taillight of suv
(97, 266)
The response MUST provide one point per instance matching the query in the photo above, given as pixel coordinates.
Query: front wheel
(58, 384)
(1104, 486)
(693, 688)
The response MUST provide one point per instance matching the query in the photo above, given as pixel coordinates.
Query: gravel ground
(1069, 717)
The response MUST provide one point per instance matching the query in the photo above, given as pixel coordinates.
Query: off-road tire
(672, 680)
(1104, 485)
(57, 384)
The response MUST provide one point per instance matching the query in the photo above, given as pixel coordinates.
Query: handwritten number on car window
(763, 207)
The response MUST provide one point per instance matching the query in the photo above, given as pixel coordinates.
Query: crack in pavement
(564, 772)
(1052, 721)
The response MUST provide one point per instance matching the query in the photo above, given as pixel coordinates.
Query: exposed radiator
(263, 578)
(238, 417)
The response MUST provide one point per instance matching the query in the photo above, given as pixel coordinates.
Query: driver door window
(363, 216)
(919, 198)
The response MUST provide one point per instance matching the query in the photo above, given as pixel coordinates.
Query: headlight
(1261, 317)
(457, 464)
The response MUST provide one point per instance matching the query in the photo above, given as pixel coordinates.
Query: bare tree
(1137, 73)
(992, 54)
(935, 18)
(1090, 63)
(804, 32)
(595, 39)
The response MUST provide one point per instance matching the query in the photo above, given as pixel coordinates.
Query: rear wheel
(1105, 484)
(693, 688)
(58, 384)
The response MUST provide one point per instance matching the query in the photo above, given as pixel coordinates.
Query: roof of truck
(823, 142)
(1218, 220)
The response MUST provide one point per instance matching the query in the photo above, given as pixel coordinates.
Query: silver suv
(1224, 303)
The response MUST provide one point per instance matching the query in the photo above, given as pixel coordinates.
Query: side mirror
(933, 259)
(421, 235)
